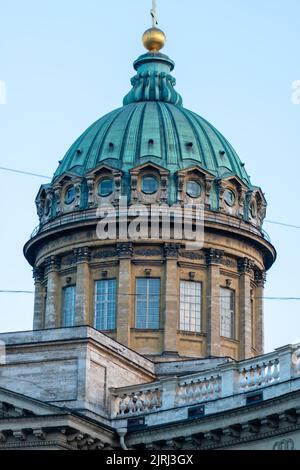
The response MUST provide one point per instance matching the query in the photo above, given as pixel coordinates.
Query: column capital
(213, 256)
(245, 265)
(260, 277)
(82, 254)
(171, 250)
(38, 275)
(125, 250)
(52, 263)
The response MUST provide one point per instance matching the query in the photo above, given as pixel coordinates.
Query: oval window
(149, 185)
(229, 197)
(70, 195)
(106, 187)
(193, 189)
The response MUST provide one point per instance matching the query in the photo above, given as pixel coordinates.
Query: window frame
(137, 306)
(107, 193)
(233, 314)
(152, 177)
(63, 315)
(106, 321)
(200, 283)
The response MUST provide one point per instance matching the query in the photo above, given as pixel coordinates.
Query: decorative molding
(213, 256)
(82, 254)
(229, 262)
(245, 265)
(125, 250)
(38, 275)
(148, 251)
(105, 253)
(260, 277)
(52, 263)
(171, 250)
(195, 255)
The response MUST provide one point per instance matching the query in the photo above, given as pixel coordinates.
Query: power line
(162, 295)
(282, 224)
(2, 168)
(12, 170)
(16, 292)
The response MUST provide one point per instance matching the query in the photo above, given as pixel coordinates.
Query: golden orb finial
(154, 39)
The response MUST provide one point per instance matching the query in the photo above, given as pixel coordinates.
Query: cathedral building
(142, 338)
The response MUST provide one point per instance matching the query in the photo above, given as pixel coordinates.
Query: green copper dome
(152, 126)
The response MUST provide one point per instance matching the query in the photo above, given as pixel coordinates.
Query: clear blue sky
(65, 63)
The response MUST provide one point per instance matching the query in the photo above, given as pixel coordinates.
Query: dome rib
(180, 137)
(94, 149)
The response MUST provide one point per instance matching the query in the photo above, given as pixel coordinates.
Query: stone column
(260, 279)
(39, 299)
(245, 268)
(171, 310)
(82, 257)
(51, 314)
(213, 261)
(125, 252)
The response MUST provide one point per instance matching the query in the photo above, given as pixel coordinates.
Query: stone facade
(75, 388)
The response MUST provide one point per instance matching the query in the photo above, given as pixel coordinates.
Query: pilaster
(171, 299)
(52, 266)
(82, 257)
(213, 261)
(39, 299)
(125, 251)
(245, 268)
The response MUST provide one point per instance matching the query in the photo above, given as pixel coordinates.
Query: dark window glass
(193, 189)
(70, 195)
(106, 187)
(149, 185)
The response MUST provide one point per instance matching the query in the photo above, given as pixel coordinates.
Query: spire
(153, 81)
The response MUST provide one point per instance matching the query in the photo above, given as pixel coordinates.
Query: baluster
(190, 392)
(269, 372)
(210, 388)
(147, 403)
(181, 394)
(263, 374)
(256, 376)
(243, 379)
(139, 402)
(217, 386)
(204, 389)
(131, 403)
(154, 400)
(250, 377)
(276, 370)
(123, 405)
(197, 391)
